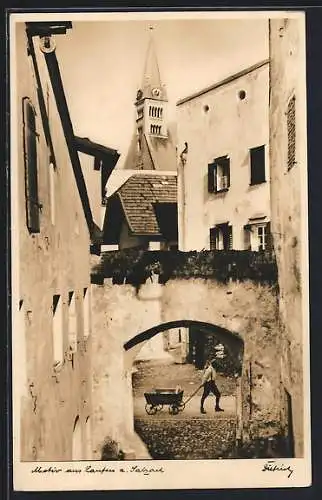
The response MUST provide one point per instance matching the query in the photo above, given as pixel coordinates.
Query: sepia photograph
(160, 324)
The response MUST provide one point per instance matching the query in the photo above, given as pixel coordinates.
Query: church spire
(152, 87)
(151, 100)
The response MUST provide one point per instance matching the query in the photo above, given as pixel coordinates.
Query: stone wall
(248, 310)
(113, 313)
(288, 196)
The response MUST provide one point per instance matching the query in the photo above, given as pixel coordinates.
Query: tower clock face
(139, 94)
(156, 92)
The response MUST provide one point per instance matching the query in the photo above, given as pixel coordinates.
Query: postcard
(160, 325)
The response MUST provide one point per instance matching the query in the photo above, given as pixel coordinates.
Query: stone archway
(126, 318)
(163, 373)
(232, 340)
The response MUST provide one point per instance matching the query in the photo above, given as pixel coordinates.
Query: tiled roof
(139, 194)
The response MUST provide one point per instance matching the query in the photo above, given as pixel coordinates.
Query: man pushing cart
(209, 385)
(173, 398)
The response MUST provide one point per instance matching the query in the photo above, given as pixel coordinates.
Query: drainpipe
(62, 107)
(182, 198)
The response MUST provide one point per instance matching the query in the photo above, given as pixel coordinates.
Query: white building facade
(223, 174)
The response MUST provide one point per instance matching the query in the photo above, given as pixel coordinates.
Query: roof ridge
(224, 81)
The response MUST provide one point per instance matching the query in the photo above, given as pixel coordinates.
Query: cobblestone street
(189, 434)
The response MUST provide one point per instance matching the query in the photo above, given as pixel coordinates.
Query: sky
(102, 66)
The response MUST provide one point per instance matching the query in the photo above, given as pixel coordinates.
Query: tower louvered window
(30, 137)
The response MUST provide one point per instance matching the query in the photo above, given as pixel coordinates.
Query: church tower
(151, 99)
(153, 142)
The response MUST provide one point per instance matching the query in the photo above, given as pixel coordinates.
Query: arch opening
(196, 342)
(232, 340)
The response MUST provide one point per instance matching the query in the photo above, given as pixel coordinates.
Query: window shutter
(269, 241)
(211, 178)
(31, 170)
(227, 170)
(213, 233)
(291, 133)
(230, 237)
(247, 232)
(252, 167)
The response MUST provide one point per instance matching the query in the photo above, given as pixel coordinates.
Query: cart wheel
(173, 410)
(150, 409)
(181, 406)
(159, 407)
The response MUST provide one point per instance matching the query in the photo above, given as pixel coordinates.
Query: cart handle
(190, 397)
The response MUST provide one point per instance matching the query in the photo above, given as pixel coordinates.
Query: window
(158, 113)
(72, 323)
(58, 337)
(261, 237)
(257, 236)
(257, 165)
(76, 226)
(242, 95)
(221, 237)
(291, 133)
(154, 245)
(139, 140)
(219, 175)
(30, 138)
(155, 129)
(86, 312)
